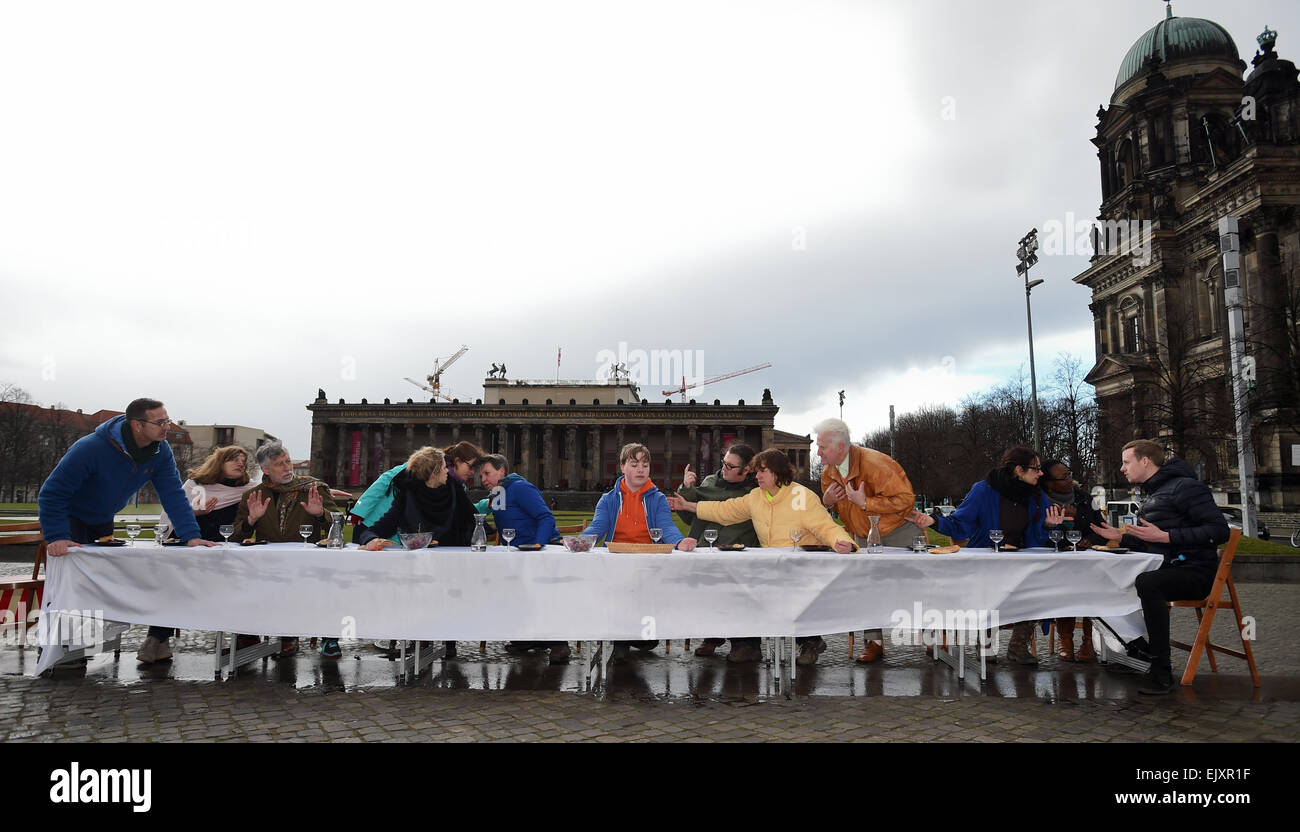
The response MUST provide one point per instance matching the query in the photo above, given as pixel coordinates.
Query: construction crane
(435, 378)
(684, 387)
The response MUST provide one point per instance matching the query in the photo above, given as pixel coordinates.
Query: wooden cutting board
(641, 548)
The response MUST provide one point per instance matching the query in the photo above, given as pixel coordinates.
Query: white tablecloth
(553, 594)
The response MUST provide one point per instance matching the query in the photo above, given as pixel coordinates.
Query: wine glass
(226, 531)
(710, 535)
(920, 543)
(507, 535)
(1055, 535)
(655, 534)
(996, 536)
(1074, 536)
(304, 531)
(132, 532)
(795, 534)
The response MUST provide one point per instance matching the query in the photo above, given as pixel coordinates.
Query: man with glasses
(857, 484)
(97, 478)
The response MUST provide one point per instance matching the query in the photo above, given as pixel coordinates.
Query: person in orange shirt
(859, 483)
(627, 512)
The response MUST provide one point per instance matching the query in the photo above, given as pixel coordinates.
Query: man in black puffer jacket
(1180, 521)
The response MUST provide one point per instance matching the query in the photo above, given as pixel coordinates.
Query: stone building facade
(1190, 136)
(563, 436)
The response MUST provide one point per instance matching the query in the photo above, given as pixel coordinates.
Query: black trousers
(1157, 589)
(82, 532)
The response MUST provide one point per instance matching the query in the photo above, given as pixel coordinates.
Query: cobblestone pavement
(494, 696)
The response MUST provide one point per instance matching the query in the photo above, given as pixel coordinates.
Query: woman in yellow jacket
(777, 507)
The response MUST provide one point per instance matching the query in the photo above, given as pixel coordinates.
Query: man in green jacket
(732, 480)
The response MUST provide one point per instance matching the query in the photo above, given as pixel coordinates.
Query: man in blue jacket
(517, 504)
(100, 474)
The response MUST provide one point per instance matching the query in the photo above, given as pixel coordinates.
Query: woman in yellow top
(777, 507)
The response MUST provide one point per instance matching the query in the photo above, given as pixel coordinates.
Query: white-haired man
(859, 483)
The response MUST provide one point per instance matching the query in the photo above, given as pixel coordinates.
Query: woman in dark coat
(424, 500)
(1008, 499)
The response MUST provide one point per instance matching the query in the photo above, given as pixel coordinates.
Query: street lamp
(1025, 253)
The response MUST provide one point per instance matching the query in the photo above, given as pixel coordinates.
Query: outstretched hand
(315, 504)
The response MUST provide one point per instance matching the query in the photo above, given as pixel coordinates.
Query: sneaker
(745, 654)
(449, 650)
(645, 645)
(288, 647)
(810, 650)
(560, 653)
(1157, 683)
(329, 648)
(518, 648)
(620, 653)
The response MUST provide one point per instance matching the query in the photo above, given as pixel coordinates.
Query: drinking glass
(132, 532)
(161, 532)
(996, 536)
(655, 534)
(795, 534)
(226, 531)
(1055, 535)
(710, 535)
(1074, 536)
(304, 531)
(507, 535)
(920, 543)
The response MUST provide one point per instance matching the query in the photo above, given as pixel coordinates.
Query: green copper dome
(1177, 38)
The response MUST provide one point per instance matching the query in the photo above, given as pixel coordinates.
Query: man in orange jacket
(859, 483)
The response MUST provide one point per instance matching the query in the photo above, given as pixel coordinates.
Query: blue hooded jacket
(520, 506)
(97, 478)
(981, 510)
(657, 514)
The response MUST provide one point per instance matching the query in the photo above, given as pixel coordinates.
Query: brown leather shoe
(1065, 639)
(709, 647)
(872, 653)
(1086, 652)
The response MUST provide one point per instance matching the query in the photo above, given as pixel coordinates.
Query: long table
(555, 595)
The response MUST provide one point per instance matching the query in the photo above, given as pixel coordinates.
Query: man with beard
(274, 510)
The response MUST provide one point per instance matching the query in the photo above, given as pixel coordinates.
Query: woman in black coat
(424, 500)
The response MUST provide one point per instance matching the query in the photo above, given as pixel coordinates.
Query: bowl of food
(415, 540)
(579, 542)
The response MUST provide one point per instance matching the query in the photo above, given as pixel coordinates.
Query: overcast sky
(229, 205)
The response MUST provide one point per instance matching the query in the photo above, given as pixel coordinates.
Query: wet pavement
(668, 694)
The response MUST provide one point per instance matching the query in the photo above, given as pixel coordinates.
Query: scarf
(283, 506)
(227, 495)
(434, 504)
(137, 453)
(1011, 487)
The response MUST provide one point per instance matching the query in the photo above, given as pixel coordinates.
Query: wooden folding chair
(1211, 604)
(21, 599)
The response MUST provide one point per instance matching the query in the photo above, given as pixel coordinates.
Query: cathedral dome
(1178, 39)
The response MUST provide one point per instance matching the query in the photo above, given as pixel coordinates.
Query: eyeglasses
(158, 423)
(1035, 468)
(731, 467)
